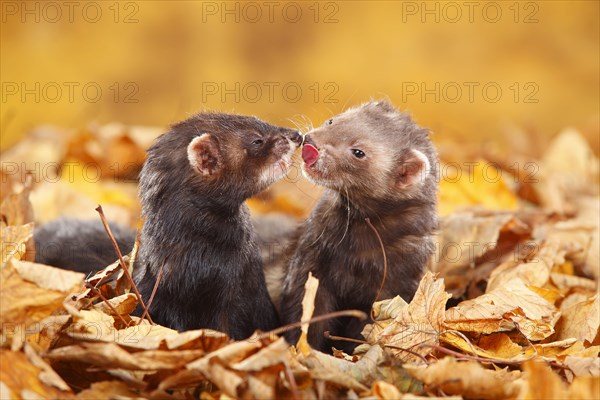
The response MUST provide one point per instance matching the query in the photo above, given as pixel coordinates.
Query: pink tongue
(310, 154)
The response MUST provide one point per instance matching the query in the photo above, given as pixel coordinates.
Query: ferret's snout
(310, 152)
(309, 140)
(296, 137)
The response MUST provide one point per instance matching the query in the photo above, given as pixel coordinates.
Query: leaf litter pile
(508, 309)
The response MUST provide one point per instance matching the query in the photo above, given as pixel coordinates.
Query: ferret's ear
(413, 170)
(385, 105)
(203, 154)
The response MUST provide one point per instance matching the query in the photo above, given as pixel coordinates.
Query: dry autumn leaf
(16, 208)
(568, 166)
(524, 284)
(464, 237)
(15, 242)
(109, 389)
(111, 355)
(584, 366)
(504, 309)
(47, 277)
(479, 184)
(30, 292)
(468, 379)
(418, 324)
(308, 307)
(580, 321)
(27, 383)
(497, 346)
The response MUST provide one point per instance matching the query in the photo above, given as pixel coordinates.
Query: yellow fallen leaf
(570, 153)
(384, 390)
(550, 295)
(384, 313)
(541, 382)
(47, 277)
(51, 199)
(419, 323)
(365, 370)
(47, 375)
(535, 272)
(468, 379)
(464, 237)
(109, 389)
(93, 325)
(308, 308)
(15, 242)
(230, 353)
(108, 355)
(123, 304)
(554, 350)
(205, 339)
(479, 183)
(565, 282)
(23, 302)
(16, 208)
(568, 167)
(577, 296)
(273, 354)
(497, 346)
(582, 234)
(502, 308)
(584, 366)
(217, 366)
(327, 368)
(580, 321)
(22, 379)
(584, 388)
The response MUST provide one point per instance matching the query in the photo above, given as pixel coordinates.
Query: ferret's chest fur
(344, 251)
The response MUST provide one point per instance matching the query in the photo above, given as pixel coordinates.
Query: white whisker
(347, 216)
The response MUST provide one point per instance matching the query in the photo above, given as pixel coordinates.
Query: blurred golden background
(495, 81)
(469, 70)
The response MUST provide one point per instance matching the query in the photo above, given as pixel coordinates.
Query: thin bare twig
(414, 353)
(293, 385)
(328, 335)
(158, 278)
(368, 221)
(99, 293)
(456, 354)
(123, 265)
(344, 313)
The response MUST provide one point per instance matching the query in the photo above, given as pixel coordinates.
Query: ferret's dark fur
(197, 228)
(80, 245)
(394, 184)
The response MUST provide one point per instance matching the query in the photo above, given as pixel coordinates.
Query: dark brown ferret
(197, 234)
(197, 229)
(376, 163)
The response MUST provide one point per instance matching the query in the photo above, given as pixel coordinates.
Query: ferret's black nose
(309, 140)
(296, 137)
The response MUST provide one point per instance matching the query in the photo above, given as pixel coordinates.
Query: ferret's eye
(257, 142)
(330, 122)
(358, 153)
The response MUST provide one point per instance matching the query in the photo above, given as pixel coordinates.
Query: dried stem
(344, 313)
(158, 278)
(456, 354)
(123, 265)
(368, 221)
(328, 335)
(113, 309)
(414, 353)
(293, 385)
